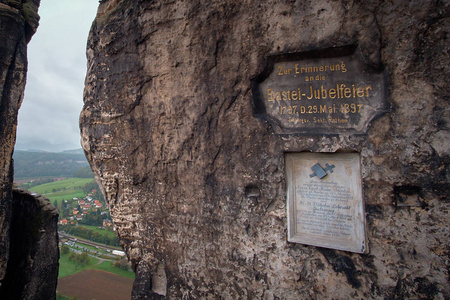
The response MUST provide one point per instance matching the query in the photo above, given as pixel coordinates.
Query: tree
(64, 249)
(65, 210)
(73, 256)
(84, 258)
(84, 172)
(122, 264)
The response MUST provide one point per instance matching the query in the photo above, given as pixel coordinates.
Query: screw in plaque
(321, 172)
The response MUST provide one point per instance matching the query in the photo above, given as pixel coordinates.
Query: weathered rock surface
(196, 184)
(28, 225)
(32, 271)
(18, 23)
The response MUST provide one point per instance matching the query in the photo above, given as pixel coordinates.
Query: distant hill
(31, 164)
(37, 143)
(74, 151)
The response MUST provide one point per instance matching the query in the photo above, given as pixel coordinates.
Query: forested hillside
(29, 164)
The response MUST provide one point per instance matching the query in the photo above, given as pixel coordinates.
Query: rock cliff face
(32, 271)
(28, 234)
(196, 183)
(18, 23)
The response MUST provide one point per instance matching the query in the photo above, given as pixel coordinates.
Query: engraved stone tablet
(326, 212)
(320, 92)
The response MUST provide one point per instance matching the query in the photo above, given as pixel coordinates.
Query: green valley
(61, 189)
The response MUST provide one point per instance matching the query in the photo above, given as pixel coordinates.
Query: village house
(107, 223)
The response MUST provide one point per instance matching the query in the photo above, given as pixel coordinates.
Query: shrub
(65, 249)
(122, 264)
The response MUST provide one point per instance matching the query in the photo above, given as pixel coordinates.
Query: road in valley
(87, 242)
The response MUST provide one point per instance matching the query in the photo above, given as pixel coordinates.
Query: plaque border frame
(289, 158)
(259, 110)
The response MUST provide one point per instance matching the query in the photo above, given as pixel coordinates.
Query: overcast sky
(48, 118)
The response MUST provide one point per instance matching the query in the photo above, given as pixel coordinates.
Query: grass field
(102, 231)
(63, 189)
(59, 197)
(68, 267)
(108, 267)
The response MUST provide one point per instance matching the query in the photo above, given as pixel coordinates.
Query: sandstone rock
(196, 183)
(440, 143)
(28, 233)
(18, 22)
(32, 271)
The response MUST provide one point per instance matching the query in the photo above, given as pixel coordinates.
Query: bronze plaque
(325, 201)
(320, 92)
